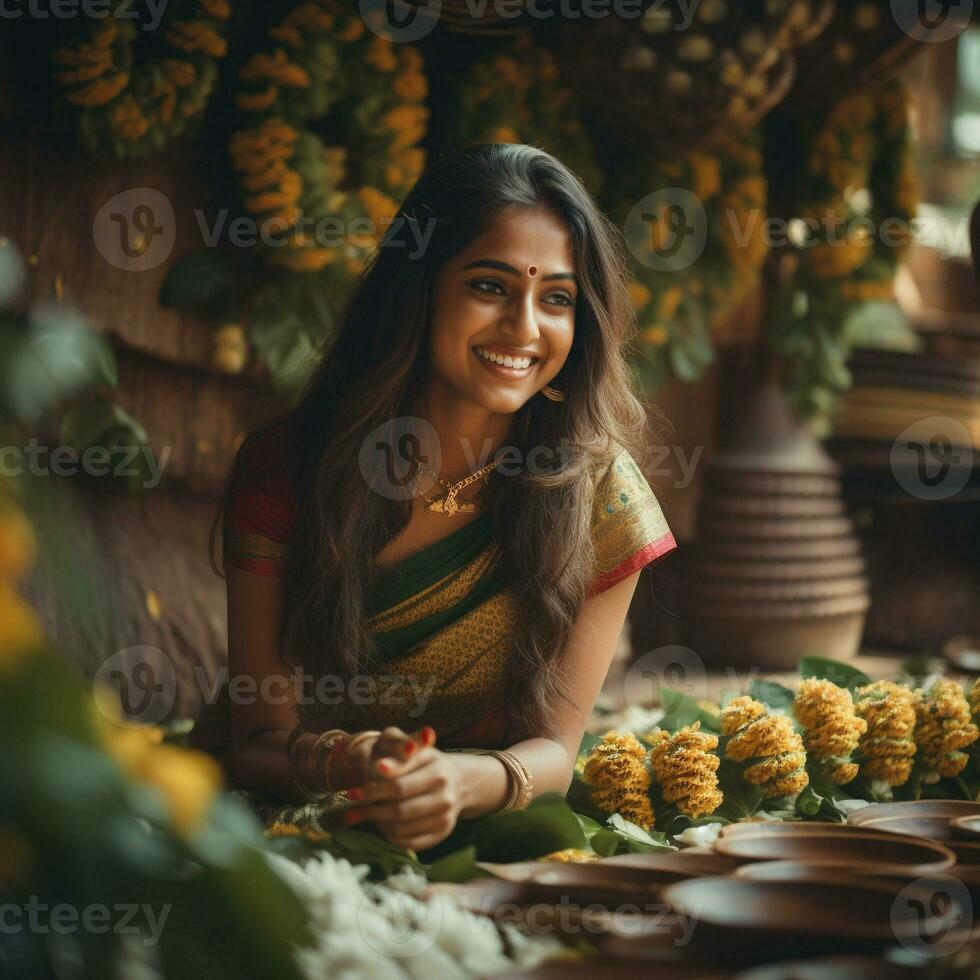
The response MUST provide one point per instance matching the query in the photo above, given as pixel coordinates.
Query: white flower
(398, 928)
(700, 836)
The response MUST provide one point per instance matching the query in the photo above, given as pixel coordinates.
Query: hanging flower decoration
(887, 748)
(323, 210)
(769, 742)
(686, 769)
(943, 728)
(858, 201)
(129, 108)
(617, 773)
(683, 304)
(515, 94)
(831, 730)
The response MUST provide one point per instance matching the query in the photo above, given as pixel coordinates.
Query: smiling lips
(507, 365)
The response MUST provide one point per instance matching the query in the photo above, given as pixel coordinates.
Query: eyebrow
(504, 267)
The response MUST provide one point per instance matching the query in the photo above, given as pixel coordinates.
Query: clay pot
(777, 572)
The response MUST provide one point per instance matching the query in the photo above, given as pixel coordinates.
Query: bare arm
(263, 708)
(551, 762)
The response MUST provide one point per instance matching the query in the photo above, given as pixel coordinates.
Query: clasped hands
(406, 786)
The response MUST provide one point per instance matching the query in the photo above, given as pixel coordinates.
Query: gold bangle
(521, 785)
(307, 753)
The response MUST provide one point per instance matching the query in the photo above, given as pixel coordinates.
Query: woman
(447, 639)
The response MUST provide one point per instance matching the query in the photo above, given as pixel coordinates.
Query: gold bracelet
(307, 752)
(521, 786)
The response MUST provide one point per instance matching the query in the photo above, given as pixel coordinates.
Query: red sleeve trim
(650, 552)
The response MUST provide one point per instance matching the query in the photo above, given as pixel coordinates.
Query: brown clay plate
(935, 828)
(673, 866)
(585, 884)
(754, 911)
(966, 828)
(887, 855)
(966, 851)
(831, 968)
(917, 808)
(793, 828)
(803, 871)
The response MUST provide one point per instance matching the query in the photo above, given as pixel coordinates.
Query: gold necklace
(447, 504)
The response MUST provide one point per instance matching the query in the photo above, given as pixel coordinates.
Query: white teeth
(506, 360)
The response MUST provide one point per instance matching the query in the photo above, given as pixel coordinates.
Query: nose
(520, 323)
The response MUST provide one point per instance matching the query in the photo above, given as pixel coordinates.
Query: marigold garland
(129, 109)
(686, 769)
(943, 727)
(516, 95)
(831, 728)
(887, 748)
(617, 772)
(292, 182)
(755, 734)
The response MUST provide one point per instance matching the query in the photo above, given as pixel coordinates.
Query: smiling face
(498, 333)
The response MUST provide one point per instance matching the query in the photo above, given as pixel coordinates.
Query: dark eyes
(563, 297)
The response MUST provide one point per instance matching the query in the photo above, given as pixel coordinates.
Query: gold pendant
(448, 505)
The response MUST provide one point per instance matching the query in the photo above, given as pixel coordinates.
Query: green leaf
(457, 867)
(841, 674)
(548, 824)
(199, 282)
(683, 710)
(636, 837)
(772, 694)
(607, 842)
(809, 801)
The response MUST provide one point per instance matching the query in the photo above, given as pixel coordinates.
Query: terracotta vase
(777, 572)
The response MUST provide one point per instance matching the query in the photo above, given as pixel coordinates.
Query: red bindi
(532, 270)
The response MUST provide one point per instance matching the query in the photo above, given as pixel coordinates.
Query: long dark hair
(368, 376)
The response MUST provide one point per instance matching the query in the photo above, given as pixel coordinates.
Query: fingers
(395, 743)
(427, 836)
(416, 795)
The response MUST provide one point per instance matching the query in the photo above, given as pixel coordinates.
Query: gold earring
(553, 393)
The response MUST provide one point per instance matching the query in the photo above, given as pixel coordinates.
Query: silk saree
(442, 619)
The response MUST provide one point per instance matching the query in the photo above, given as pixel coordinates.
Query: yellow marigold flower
(412, 86)
(407, 122)
(617, 772)
(85, 73)
(17, 544)
(503, 134)
(128, 119)
(943, 727)
(281, 829)
(887, 748)
(380, 54)
(686, 767)
(411, 57)
(353, 30)
(832, 730)
(770, 738)
(20, 630)
(218, 9)
(639, 295)
(187, 779)
(570, 854)
(181, 73)
(277, 68)
(670, 300)
(706, 171)
(380, 208)
(196, 35)
(974, 695)
(508, 71)
(655, 335)
(99, 92)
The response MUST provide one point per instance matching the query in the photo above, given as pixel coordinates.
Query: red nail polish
(355, 793)
(352, 817)
(410, 747)
(428, 735)
(384, 765)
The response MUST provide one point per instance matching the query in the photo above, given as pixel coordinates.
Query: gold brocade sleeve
(629, 529)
